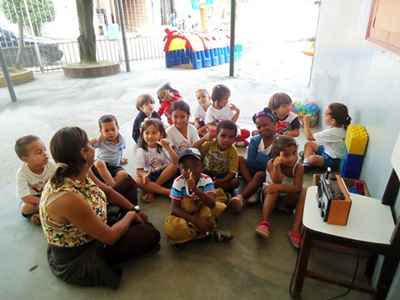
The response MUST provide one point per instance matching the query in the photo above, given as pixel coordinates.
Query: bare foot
(148, 197)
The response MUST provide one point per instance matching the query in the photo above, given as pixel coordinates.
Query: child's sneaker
(294, 238)
(252, 199)
(263, 229)
(221, 236)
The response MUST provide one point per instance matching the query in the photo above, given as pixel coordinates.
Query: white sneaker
(252, 199)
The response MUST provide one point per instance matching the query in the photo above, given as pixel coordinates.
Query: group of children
(195, 163)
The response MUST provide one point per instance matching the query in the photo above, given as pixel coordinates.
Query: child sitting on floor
(144, 104)
(194, 207)
(287, 121)
(182, 134)
(221, 110)
(259, 152)
(284, 182)
(155, 160)
(203, 99)
(109, 150)
(35, 171)
(326, 148)
(167, 95)
(221, 161)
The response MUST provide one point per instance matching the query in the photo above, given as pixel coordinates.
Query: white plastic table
(369, 220)
(370, 226)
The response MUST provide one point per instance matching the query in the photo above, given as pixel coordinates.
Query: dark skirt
(95, 264)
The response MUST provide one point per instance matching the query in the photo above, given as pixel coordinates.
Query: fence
(55, 54)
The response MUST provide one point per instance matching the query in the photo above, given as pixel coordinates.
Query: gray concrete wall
(366, 77)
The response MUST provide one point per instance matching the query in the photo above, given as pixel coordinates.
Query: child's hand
(124, 161)
(164, 143)
(233, 107)
(279, 160)
(254, 132)
(190, 182)
(212, 132)
(273, 188)
(204, 225)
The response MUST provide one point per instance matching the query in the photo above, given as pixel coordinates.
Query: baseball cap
(192, 152)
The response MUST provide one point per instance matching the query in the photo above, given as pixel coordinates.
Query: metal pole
(121, 22)
(36, 47)
(232, 41)
(7, 77)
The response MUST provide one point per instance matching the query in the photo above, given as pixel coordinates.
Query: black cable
(291, 279)
(352, 281)
(335, 297)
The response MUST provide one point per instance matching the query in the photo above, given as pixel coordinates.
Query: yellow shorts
(178, 230)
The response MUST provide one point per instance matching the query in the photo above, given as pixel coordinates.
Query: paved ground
(248, 268)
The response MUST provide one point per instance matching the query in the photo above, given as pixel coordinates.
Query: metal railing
(55, 54)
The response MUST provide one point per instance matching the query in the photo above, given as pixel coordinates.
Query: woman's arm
(112, 195)
(75, 210)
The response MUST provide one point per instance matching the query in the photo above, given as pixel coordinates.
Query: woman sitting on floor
(83, 249)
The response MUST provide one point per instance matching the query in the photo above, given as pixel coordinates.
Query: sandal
(263, 229)
(294, 238)
(221, 236)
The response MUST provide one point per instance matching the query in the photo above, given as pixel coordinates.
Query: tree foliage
(40, 11)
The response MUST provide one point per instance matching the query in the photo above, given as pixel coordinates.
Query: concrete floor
(248, 268)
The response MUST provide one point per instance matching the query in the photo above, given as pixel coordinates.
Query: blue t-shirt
(109, 152)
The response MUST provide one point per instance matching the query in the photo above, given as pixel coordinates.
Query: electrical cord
(335, 297)
(352, 281)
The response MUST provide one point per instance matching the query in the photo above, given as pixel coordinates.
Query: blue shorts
(328, 161)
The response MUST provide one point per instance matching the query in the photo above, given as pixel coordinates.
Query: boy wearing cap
(194, 207)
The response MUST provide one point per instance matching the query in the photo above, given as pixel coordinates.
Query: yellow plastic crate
(356, 139)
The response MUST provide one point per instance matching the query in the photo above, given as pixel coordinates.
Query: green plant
(40, 11)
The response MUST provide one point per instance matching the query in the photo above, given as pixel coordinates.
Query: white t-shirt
(29, 183)
(216, 115)
(180, 142)
(152, 160)
(333, 141)
(262, 149)
(200, 113)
